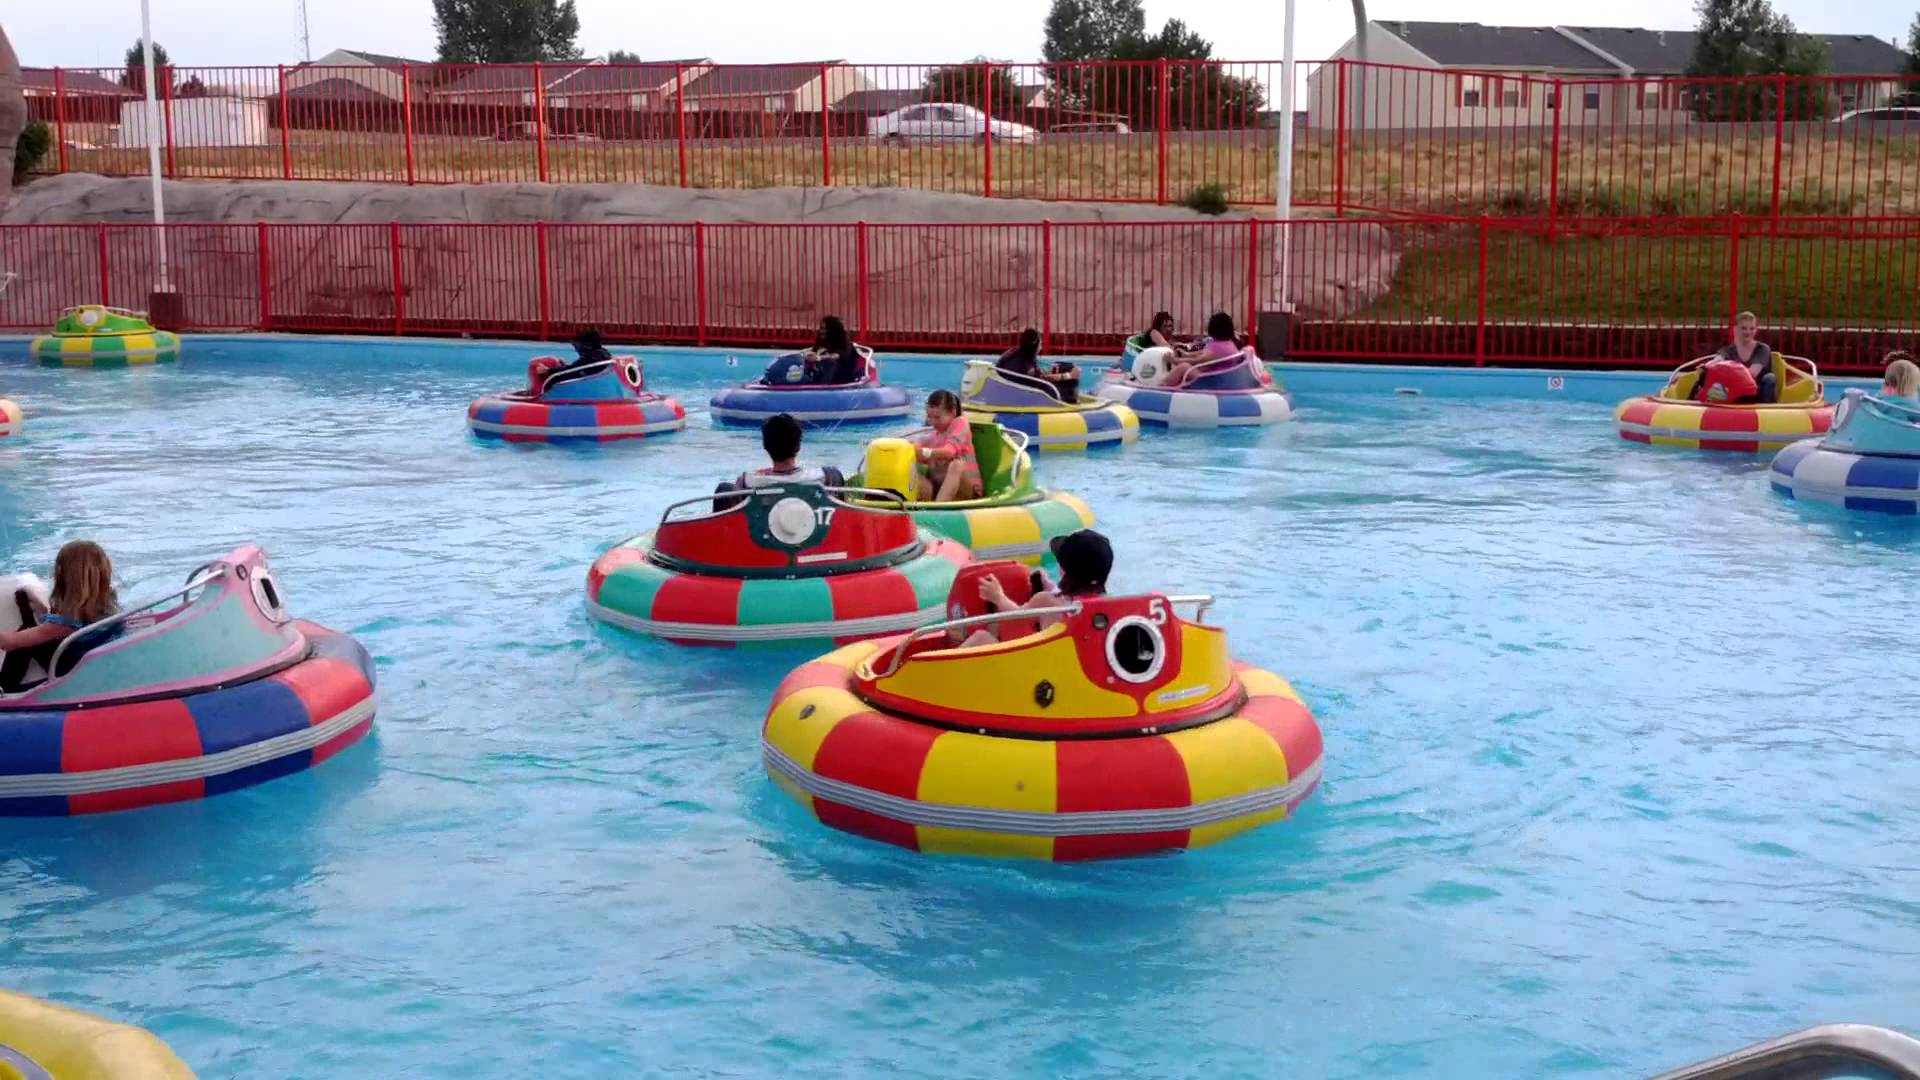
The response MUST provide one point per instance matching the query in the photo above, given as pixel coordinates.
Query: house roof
(879, 101)
(1652, 52)
(1472, 45)
(757, 79)
(345, 91)
(71, 82)
(493, 78)
(383, 60)
(625, 78)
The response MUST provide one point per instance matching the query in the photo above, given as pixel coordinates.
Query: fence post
(1046, 284)
(286, 143)
(60, 117)
(165, 74)
(1253, 272)
(1553, 163)
(1160, 111)
(406, 114)
(540, 121)
(860, 264)
(540, 268)
(266, 275)
(106, 281)
(986, 136)
(680, 117)
(1779, 137)
(1733, 271)
(1480, 317)
(826, 134)
(1339, 139)
(399, 279)
(700, 282)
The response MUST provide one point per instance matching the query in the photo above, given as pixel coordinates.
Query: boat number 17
(823, 516)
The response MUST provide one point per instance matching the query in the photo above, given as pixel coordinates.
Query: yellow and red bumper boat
(1673, 417)
(1123, 729)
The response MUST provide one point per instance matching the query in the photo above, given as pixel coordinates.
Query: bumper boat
(43, 1041)
(1123, 730)
(598, 401)
(1673, 418)
(1870, 460)
(786, 563)
(211, 688)
(11, 419)
(1033, 408)
(1014, 519)
(1231, 391)
(864, 400)
(92, 335)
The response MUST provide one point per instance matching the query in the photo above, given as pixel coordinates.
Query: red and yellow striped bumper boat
(1122, 730)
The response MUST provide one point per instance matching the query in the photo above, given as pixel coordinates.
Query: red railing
(1632, 292)
(1373, 137)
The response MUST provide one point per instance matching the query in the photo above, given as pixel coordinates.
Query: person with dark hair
(950, 469)
(1220, 343)
(1085, 558)
(1024, 359)
(835, 360)
(589, 349)
(780, 437)
(1159, 333)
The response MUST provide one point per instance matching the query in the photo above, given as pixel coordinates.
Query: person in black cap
(1085, 558)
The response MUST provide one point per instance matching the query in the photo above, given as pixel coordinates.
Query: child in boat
(1749, 352)
(780, 438)
(82, 595)
(1085, 558)
(835, 361)
(1024, 359)
(1903, 378)
(950, 470)
(1221, 342)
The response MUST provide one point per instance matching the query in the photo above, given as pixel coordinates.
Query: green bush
(35, 140)
(1207, 199)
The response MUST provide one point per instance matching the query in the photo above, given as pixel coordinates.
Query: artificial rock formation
(921, 278)
(13, 112)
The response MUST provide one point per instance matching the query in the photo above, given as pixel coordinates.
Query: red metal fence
(1631, 292)
(1374, 137)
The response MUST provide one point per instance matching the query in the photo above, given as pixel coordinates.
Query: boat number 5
(1157, 611)
(1556, 382)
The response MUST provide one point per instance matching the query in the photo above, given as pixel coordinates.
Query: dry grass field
(1704, 171)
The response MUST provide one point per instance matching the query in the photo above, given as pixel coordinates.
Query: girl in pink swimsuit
(951, 470)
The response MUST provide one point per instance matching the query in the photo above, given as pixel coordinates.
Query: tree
(1199, 92)
(969, 84)
(191, 86)
(1741, 40)
(1913, 47)
(135, 78)
(622, 56)
(1092, 29)
(506, 31)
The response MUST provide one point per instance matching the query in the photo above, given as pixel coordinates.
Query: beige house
(774, 88)
(351, 74)
(1470, 76)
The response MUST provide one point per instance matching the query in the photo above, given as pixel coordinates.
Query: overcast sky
(84, 33)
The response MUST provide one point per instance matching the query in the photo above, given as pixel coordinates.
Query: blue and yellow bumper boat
(1034, 408)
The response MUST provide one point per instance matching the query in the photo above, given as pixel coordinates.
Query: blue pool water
(1621, 756)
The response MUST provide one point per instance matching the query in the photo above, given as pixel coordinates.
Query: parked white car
(945, 122)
